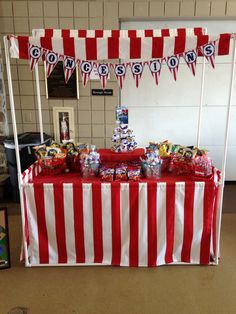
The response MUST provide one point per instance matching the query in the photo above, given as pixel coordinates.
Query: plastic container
(26, 143)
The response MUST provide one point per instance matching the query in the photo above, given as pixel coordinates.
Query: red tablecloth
(147, 223)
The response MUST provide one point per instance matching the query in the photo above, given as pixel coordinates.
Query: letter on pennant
(137, 71)
(86, 68)
(120, 72)
(69, 66)
(51, 60)
(173, 65)
(208, 52)
(190, 58)
(155, 69)
(35, 54)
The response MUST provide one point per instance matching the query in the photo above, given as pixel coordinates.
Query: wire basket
(151, 171)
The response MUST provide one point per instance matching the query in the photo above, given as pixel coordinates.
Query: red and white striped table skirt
(126, 224)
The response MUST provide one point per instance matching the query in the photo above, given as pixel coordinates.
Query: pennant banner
(69, 65)
(35, 54)
(86, 68)
(137, 71)
(51, 59)
(209, 53)
(120, 72)
(155, 68)
(103, 72)
(173, 65)
(190, 58)
(120, 69)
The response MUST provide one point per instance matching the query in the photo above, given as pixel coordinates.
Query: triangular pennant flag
(173, 65)
(103, 72)
(190, 58)
(155, 69)
(51, 59)
(137, 71)
(86, 68)
(208, 52)
(34, 55)
(69, 65)
(120, 72)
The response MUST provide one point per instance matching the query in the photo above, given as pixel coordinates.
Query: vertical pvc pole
(9, 78)
(201, 102)
(39, 102)
(223, 167)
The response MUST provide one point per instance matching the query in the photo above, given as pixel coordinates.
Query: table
(71, 221)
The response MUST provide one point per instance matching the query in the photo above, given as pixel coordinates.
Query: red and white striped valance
(119, 48)
(118, 33)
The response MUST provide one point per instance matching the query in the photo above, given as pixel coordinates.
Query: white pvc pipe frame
(223, 168)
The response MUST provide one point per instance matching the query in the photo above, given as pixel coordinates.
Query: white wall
(170, 110)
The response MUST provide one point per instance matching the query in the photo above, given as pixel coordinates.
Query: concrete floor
(113, 290)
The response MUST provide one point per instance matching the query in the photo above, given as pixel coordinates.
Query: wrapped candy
(151, 166)
(123, 138)
(203, 166)
(90, 163)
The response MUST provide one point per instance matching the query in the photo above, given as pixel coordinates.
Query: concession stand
(70, 220)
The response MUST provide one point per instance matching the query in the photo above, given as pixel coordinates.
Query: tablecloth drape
(147, 223)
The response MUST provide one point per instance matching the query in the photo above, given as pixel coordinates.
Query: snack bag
(55, 145)
(52, 151)
(121, 174)
(40, 151)
(107, 174)
(82, 148)
(134, 174)
(165, 148)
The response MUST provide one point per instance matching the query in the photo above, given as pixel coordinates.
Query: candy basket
(52, 166)
(151, 171)
(200, 166)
